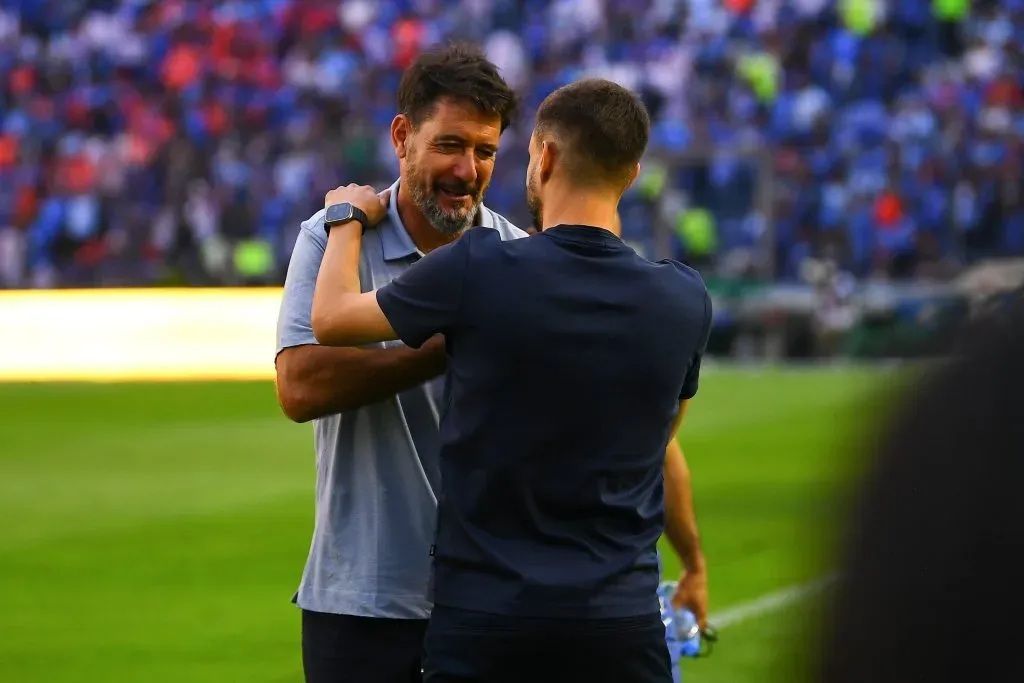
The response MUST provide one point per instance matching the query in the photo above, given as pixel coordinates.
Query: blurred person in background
(363, 593)
(931, 583)
(546, 565)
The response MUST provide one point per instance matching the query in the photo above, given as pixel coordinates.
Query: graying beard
(445, 223)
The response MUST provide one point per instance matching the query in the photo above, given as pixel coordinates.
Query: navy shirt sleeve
(693, 374)
(425, 299)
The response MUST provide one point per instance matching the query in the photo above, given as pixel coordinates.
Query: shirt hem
(356, 604)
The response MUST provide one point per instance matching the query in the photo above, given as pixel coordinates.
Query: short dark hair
(603, 126)
(459, 71)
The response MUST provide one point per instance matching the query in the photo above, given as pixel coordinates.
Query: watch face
(339, 213)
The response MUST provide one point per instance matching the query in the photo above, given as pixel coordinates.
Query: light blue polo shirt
(378, 474)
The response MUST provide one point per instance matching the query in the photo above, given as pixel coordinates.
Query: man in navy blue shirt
(545, 561)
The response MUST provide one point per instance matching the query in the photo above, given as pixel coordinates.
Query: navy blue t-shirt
(555, 512)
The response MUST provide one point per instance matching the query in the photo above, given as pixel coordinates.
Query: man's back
(558, 512)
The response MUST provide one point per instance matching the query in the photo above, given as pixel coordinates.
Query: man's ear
(549, 155)
(401, 130)
(632, 178)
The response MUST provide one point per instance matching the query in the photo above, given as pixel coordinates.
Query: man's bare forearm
(314, 381)
(680, 519)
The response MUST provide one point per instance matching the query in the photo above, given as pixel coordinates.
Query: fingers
(693, 601)
(357, 188)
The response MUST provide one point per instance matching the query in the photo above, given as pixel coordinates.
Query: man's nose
(465, 168)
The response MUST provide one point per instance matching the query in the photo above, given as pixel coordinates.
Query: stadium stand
(183, 141)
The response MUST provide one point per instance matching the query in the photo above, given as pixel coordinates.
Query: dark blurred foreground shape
(932, 581)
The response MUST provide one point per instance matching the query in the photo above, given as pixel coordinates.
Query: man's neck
(573, 207)
(424, 235)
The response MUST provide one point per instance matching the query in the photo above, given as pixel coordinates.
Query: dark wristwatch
(343, 213)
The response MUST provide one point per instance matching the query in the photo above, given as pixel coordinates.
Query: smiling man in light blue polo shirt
(364, 591)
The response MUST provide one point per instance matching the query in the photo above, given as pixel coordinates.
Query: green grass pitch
(156, 532)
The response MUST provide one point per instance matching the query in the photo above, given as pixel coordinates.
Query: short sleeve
(294, 325)
(693, 373)
(425, 299)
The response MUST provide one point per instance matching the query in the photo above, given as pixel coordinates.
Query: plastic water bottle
(687, 632)
(682, 634)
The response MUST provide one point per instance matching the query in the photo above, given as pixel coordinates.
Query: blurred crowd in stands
(182, 142)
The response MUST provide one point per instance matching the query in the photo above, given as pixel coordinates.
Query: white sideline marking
(768, 603)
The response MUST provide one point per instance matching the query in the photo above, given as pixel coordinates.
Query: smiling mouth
(456, 195)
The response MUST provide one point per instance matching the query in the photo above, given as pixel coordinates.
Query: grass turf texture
(155, 532)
